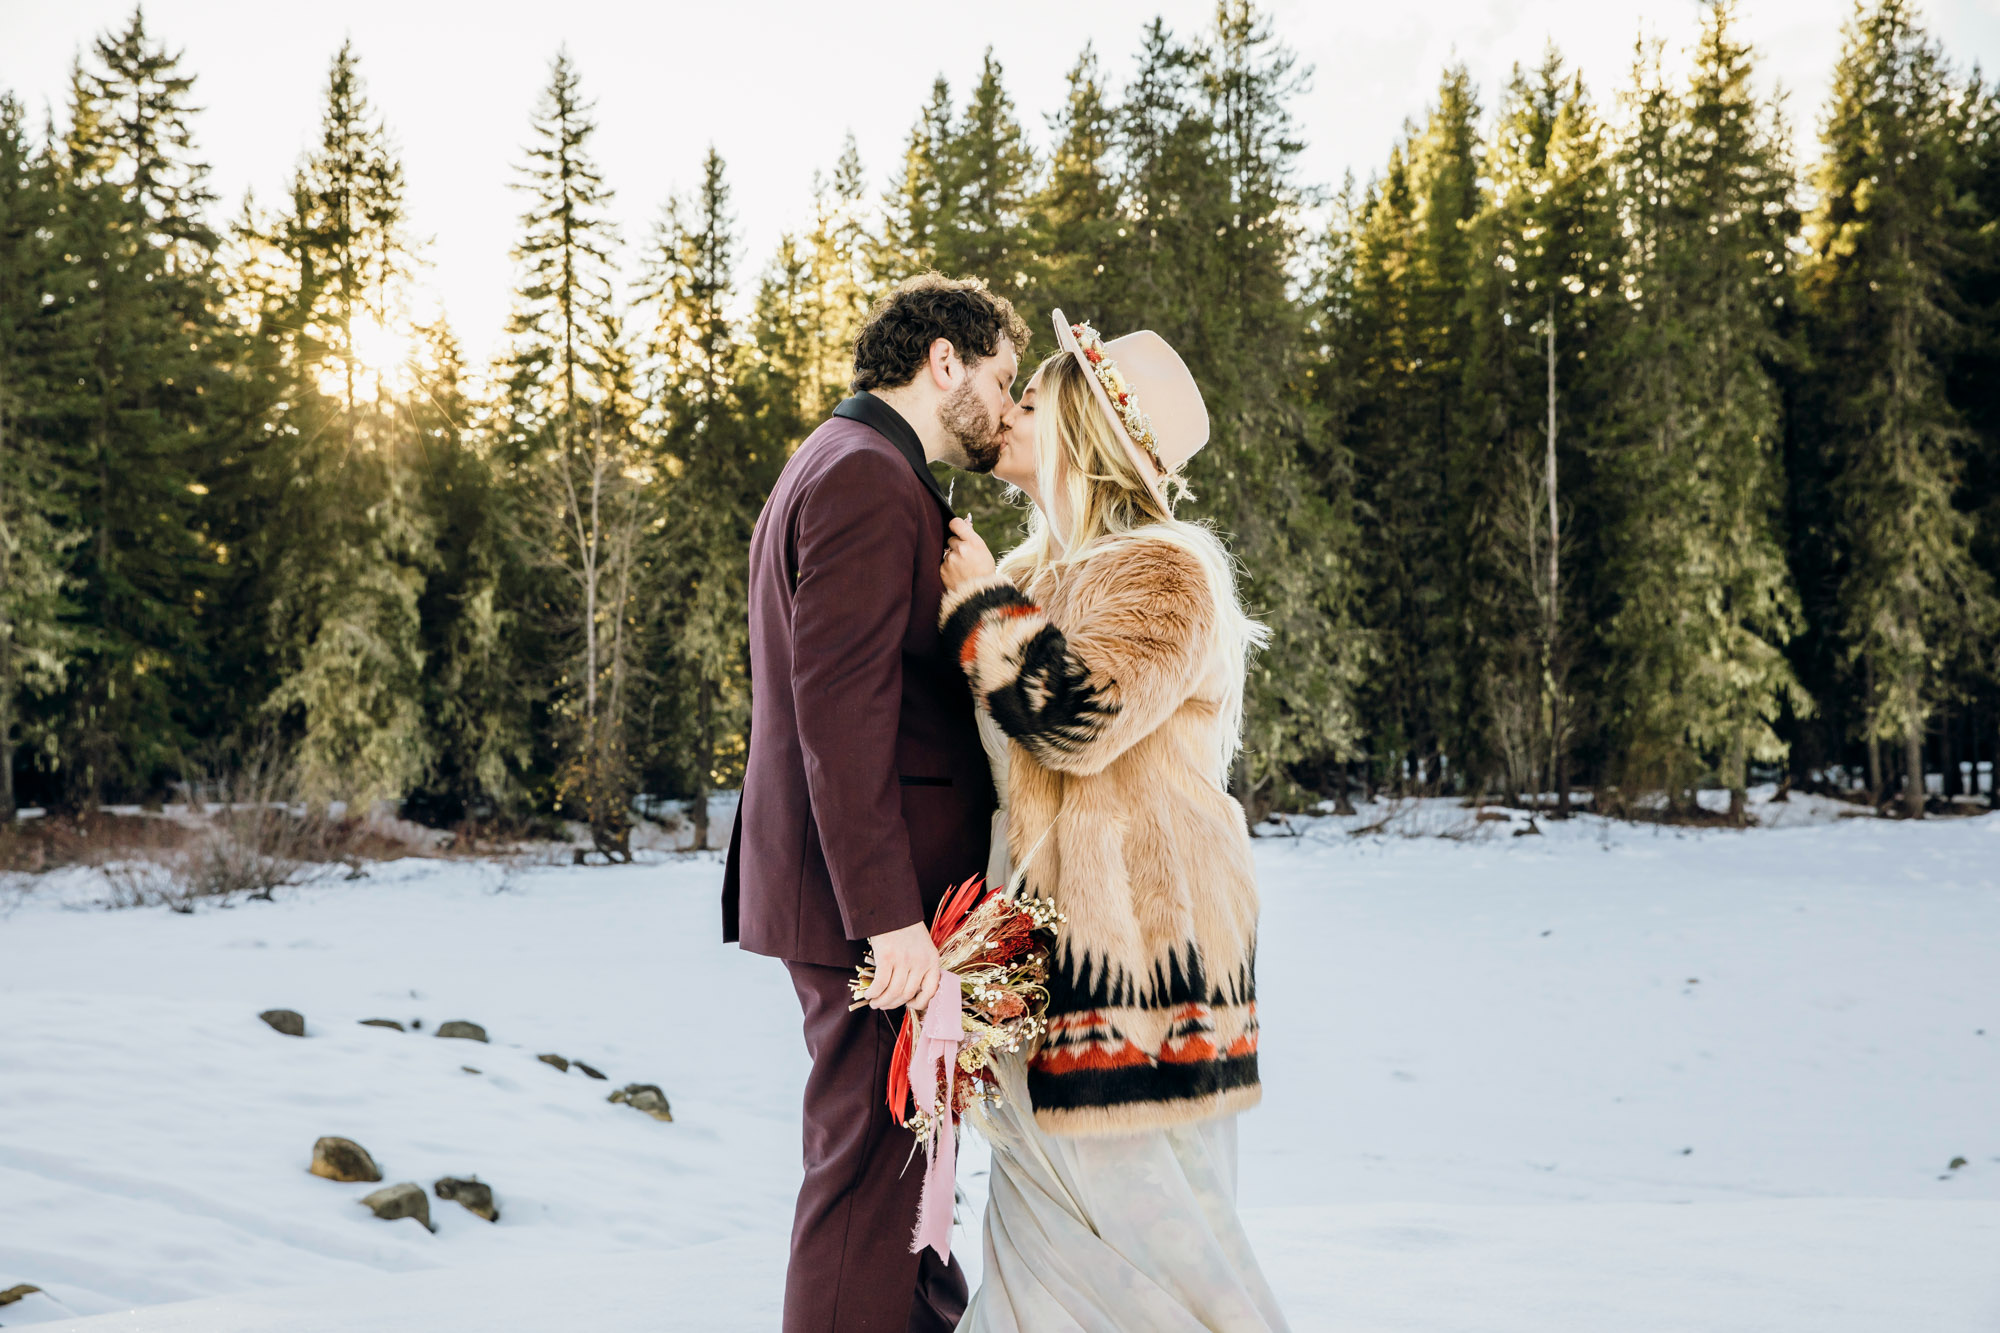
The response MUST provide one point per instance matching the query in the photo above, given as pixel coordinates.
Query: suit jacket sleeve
(858, 534)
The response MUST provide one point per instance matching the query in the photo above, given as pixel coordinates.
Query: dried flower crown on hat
(1123, 400)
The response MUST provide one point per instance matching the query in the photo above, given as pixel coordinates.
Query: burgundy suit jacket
(866, 793)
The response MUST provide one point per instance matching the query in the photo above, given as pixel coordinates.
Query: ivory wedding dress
(1111, 1234)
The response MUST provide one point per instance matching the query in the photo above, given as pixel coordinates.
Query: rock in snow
(403, 1199)
(343, 1159)
(645, 1097)
(288, 1021)
(458, 1027)
(472, 1194)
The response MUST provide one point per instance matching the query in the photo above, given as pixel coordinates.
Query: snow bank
(1830, 1266)
(1606, 1078)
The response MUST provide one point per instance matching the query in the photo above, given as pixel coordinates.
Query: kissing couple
(1063, 721)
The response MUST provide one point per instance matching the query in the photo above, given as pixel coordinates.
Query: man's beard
(969, 429)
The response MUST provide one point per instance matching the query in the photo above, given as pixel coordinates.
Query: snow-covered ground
(1610, 1078)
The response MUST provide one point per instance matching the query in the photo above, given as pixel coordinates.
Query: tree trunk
(1913, 776)
(1954, 781)
(9, 693)
(8, 810)
(1342, 804)
(698, 804)
(1558, 760)
(1739, 784)
(1874, 771)
(697, 808)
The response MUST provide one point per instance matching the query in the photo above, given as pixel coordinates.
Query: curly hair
(896, 340)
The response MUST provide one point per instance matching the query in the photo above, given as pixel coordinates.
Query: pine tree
(581, 491)
(1074, 218)
(1705, 601)
(721, 476)
(1911, 599)
(476, 702)
(1167, 171)
(1413, 261)
(355, 543)
(132, 343)
(814, 300)
(566, 252)
(811, 302)
(144, 114)
(34, 642)
(1330, 382)
(267, 406)
(785, 368)
(1972, 383)
(1211, 220)
(988, 173)
(985, 180)
(920, 196)
(1541, 301)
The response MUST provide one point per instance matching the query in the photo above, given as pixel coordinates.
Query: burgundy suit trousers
(851, 1269)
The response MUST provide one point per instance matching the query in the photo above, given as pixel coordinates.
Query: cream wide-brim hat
(1158, 381)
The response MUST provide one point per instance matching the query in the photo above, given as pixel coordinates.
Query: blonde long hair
(1093, 497)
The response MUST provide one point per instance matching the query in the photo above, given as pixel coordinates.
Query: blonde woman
(1107, 653)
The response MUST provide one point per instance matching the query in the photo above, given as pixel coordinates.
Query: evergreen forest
(1592, 448)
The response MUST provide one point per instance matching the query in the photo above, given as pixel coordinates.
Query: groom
(866, 793)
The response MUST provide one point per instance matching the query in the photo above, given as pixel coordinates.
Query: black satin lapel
(887, 422)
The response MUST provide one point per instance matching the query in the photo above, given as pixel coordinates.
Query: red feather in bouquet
(998, 947)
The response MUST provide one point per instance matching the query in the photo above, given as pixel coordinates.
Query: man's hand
(966, 559)
(907, 971)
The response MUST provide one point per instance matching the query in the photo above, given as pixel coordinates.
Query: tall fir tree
(1212, 220)
(581, 492)
(811, 304)
(919, 198)
(988, 172)
(1542, 303)
(1413, 262)
(1297, 543)
(1972, 383)
(132, 337)
(1912, 601)
(1705, 603)
(1331, 380)
(1074, 217)
(477, 697)
(354, 545)
(720, 478)
(986, 178)
(34, 540)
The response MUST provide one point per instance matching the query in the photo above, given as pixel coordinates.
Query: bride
(1108, 653)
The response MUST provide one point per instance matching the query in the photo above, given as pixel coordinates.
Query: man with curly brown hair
(867, 793)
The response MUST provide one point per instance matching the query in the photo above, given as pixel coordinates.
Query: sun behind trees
(1582, 448)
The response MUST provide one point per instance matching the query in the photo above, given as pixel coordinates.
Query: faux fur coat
(1107, 677)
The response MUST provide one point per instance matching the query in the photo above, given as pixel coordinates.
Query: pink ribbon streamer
(936, 1055)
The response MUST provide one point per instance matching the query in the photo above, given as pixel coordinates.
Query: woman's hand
(966, 559)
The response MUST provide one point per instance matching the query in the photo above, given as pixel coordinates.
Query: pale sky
(775, 86)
